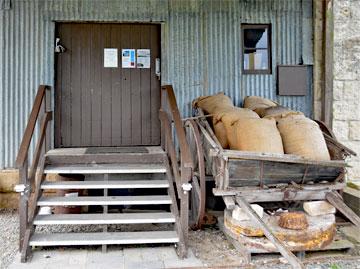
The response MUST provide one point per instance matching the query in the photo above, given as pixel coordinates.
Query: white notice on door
(110, 58)
(143, 58)
(128, 58)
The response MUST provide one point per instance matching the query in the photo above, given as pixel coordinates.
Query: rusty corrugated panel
(200, 49)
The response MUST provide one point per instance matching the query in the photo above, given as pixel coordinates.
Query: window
(256, 48)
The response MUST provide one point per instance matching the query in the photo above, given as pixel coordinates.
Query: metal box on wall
(292, 80)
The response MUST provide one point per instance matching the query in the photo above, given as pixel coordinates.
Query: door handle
(157, 68)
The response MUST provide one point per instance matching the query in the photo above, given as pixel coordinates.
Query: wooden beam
(328, 48)
(335, 199)
(256, 195)
(229, 202)
(293, 260)
(276, 157)
(26, 249)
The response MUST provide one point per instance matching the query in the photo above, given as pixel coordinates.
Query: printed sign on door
(128, 58)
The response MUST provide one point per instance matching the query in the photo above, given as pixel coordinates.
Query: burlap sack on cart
(278, 112)
(259, 135)
(210, 103)
(219, 127)
(302, 136)
(258, 104)
(228, 119)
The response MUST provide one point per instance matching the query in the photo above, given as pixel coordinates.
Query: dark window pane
(256, 59)
(256, 38)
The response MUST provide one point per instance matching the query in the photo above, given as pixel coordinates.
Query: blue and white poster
(128, 58)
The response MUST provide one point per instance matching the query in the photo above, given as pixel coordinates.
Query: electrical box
(292, 80)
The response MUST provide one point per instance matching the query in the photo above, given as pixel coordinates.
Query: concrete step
(101, 184)
(101, 155)
(122, 218)
(105, 169)
(107, 238)
(107, 200)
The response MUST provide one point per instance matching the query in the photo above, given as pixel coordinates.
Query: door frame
(57, 96)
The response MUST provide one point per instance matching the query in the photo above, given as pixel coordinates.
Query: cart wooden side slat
(274, 177)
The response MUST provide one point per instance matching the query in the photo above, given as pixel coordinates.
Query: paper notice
(128, 58)
(110, 58)
(143, 58)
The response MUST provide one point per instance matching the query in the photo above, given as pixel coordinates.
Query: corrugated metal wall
(200, 49)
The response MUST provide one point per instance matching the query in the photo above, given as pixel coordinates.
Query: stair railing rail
(181, 167)
(30, 179)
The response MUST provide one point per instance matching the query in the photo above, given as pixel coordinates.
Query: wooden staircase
(150, 177)
(102, 172)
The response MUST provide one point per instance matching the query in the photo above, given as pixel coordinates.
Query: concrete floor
(134, 258)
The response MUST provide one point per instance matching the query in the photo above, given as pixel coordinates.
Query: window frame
(245, 26)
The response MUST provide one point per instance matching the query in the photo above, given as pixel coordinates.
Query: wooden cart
(242, 177)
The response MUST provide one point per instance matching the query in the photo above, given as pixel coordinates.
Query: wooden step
(113, 238)
(105, 169)
(100, 184)
(101, 200)
(115, 218)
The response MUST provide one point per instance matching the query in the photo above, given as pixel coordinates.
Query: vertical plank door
(106, 106)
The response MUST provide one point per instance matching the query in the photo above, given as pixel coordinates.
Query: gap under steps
(107, 238)
(113, 218)
(101, 184)
(105, 169)
(104, 200)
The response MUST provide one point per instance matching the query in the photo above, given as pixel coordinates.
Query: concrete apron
(134, 258)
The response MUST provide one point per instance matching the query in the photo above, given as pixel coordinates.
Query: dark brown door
(106, 106)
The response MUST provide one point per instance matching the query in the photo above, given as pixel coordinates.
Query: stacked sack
(240, 128)
(224, 120)
(300, 135)
(211, 103)
(263, 126)
(215, 105)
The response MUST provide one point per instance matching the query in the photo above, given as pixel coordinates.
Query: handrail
(183, 171)
(179, 127)
(37, 152)
(170, 147)
(25, 143)
(26, 177)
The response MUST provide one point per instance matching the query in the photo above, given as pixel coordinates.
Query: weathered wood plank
(287, 158)
(229, 202)
(336, 200)
(247, 172)
(253, 195)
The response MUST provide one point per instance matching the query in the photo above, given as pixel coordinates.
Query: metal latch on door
(157, 68)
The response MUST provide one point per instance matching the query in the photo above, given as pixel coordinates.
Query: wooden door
(106, 106)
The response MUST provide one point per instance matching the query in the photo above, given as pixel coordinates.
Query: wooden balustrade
(26, 176)
(182, 169)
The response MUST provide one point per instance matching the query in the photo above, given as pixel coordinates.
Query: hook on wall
(58, 47)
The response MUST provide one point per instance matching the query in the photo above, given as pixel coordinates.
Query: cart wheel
(197, 215)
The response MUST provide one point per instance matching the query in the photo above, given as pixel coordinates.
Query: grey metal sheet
(200, 49)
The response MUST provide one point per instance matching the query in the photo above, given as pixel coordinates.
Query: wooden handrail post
(23, 202)
(47, 101)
